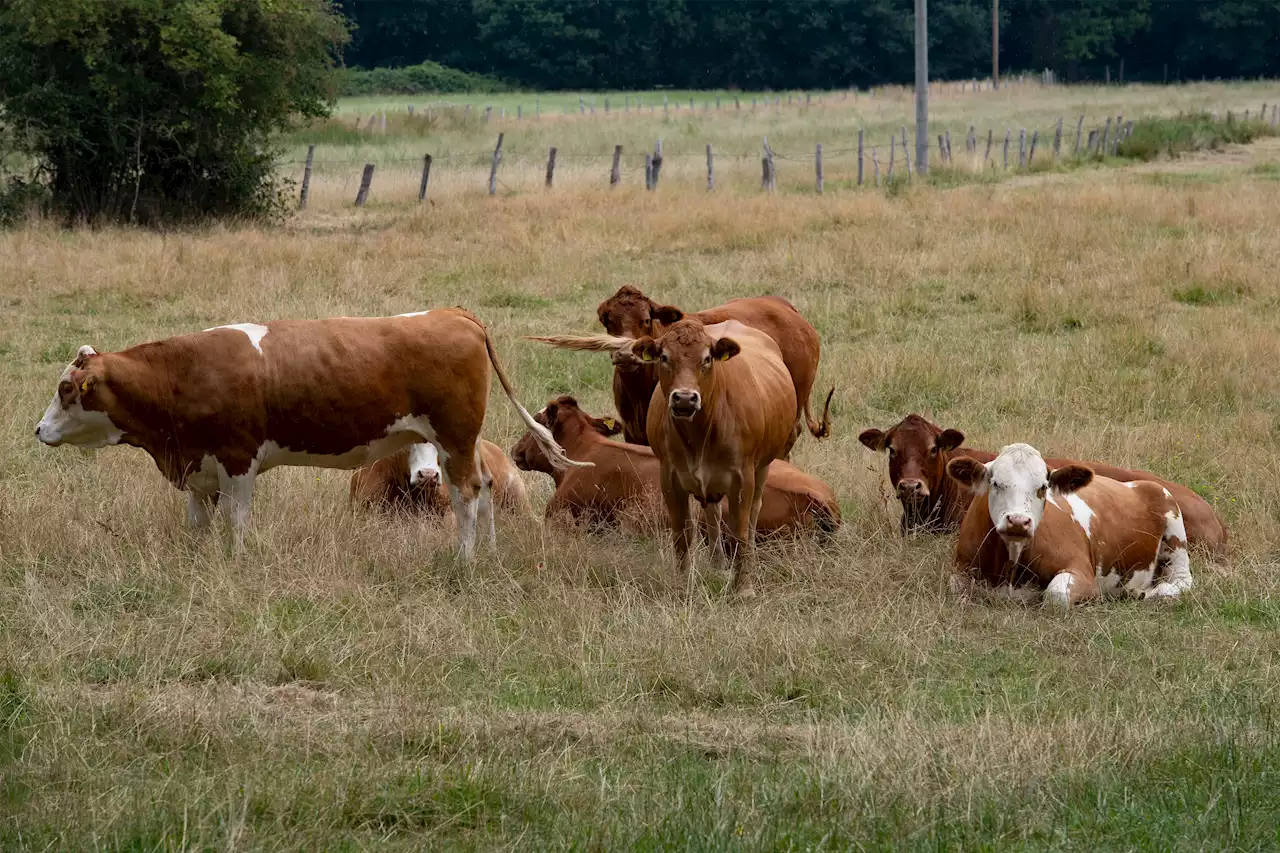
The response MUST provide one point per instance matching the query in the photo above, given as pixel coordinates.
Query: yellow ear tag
(724, 356)
(644, 356)
(610, 423)
(84, 387)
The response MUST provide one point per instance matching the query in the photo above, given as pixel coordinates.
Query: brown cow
(932, 502)
(411, 479)
(217, 408)
(625, 482)
(1066, 531)
(724, 409)
(631, 314)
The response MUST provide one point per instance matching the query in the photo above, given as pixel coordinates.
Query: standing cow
(217, 408)
(724, 409)
(631, 314)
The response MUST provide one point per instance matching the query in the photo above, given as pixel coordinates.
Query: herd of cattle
(709, 405)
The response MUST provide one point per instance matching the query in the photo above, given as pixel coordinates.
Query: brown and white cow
(1075, 535)
(624, 486)
(931, 501)
(723, 410)
(631, 314)
(217, 408)
(412, 479)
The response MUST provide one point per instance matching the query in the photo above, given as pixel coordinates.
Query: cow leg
(462, 476)
(237, 499)
(713, 522)
(744, 510)
(1070, 587)
(683, 531)
(1172, 557)
(200, 508)
(484, 510)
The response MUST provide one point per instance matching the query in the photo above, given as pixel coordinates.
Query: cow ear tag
(84, 386)
(609, 422)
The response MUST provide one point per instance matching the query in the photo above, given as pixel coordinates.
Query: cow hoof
(744, 594)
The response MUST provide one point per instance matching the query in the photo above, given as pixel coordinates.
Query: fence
(866, 162)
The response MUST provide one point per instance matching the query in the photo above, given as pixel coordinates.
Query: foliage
(1154, 137)
(156, 110)
(637, 44)
(423, 78)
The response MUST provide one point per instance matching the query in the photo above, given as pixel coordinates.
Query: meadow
(343, 684)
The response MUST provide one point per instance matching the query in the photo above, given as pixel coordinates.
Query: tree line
(644, 44)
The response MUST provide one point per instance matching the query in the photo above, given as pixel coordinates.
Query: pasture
(344, 684)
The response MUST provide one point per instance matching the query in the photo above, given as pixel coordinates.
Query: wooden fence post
(817, 162)
(1115, 138)
(648, 171)
(657, 163)
(1031, 155)
(860, 138)
(971, 145)
(991, 136)
(426, 174)
(717, 102)
(665, 106)
(948, 137)
(382, 125)
(906, 152)
(769, 173)
(493, 170)
(942, 150)
(893, 154)
(1022, 148)
(1079, 127)
(410, 110)
(1007, 134)
(711, 174)
(615, 174)
(875, 164)
(1093, 138)
(606, 105)
(537, 108)
(488, 114)
(582, 106)
(365, 181)
(626, 103)
(551, 165)
(519, 112)
(1057, 138)
(737, 102)
(306, 178)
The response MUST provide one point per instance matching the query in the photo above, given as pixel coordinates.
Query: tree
(161, 110)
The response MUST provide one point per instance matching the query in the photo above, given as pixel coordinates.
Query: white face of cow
(424, 465)
(1017, 484)
(67, 421)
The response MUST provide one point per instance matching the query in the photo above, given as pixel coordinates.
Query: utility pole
(995, 44)
(922, 88)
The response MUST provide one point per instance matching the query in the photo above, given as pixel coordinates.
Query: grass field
(344, 685)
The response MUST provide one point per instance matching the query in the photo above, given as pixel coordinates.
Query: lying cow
(932, 502)
(725, 410)
(411, 479)
(1076, 535)
(631, 314)
(624, 483)
(217, 408)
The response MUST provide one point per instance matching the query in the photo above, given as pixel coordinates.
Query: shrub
(162, 110)
(415, 80)
(1153, 137)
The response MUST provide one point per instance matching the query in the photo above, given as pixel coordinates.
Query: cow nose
(683, 400)
(911, 488)
(1017, 523)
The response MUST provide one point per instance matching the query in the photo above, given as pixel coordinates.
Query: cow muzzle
(625, 360)
(912, 491)
(1016, 526)
(424, 480)
(684, 403)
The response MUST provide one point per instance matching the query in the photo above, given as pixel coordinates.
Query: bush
(1153, 137)
(416, 80)
(161, 110)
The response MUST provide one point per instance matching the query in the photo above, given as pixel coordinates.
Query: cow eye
(996, 485)
(933, 451)
(65, 389)
(891, 451)
(666, 359)
(1040, 492)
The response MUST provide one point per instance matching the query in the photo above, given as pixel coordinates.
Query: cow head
(424, 467)
(567, 422)
(917, 454)
(686, 356)
(1017, 483)
(631, 314)
(77, 414)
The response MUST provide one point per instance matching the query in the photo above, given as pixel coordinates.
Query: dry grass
(343, 684)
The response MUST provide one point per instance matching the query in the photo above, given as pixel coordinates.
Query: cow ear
(970, 473)
(1070, 478)
(666, 314)
(645, 349)
(550, 414)
(950, 439)
(604, 319)
(725, 349)
(606, 426)
(83, 355)
(873, 439)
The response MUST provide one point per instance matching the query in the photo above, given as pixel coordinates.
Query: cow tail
(819, 430)
(540, 434)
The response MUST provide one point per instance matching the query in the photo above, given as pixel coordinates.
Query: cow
(624, 485)
(217, 408)
(631, 314)
(1076, 535)
(411, 479)
(723, 410)
(919, 452)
